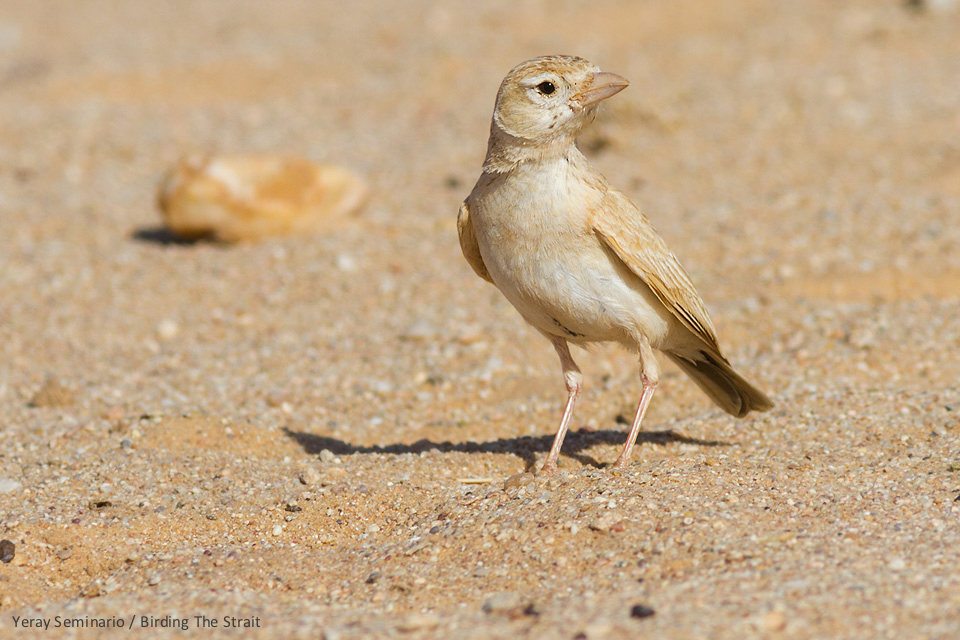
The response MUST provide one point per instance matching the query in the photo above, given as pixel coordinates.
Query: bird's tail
(726, 387)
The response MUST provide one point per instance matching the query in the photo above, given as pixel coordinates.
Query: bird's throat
(505, 152)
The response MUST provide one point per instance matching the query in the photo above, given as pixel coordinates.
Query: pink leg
(649, 377)
(573, 378)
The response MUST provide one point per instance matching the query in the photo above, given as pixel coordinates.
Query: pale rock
(52, 394)
(243, 198)
(609, 521)
(310, 476)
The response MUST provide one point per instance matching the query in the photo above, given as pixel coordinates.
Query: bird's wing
(627, 232)
(468, 243)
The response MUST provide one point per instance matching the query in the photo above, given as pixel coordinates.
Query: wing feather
(469, 244)
(628, 233)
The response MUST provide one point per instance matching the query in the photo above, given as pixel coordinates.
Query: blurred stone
(510, 604)
(775, 621)
(641, 611)
(52, 394)
(246, 198)
(418, 622)
(167, 329)
(419, 331)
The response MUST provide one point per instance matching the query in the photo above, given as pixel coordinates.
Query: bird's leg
(573, 378)
(649, 377)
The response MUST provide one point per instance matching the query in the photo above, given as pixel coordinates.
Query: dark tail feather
(726, 387)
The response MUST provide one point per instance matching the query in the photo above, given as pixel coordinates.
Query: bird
(574, 256)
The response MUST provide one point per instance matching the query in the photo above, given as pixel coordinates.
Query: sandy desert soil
(801, 157)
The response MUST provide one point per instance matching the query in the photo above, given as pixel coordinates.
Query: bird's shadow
(524, 447)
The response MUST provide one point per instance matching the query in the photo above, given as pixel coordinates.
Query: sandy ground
(801, 157)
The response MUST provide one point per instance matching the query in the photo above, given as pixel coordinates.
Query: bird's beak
(600, 86)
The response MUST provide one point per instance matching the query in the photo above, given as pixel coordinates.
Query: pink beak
(601, 86)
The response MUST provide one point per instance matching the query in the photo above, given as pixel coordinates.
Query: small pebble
(63, 554)
(310, 476)
(326, 456)
(52, 394)
(501, 602)
(345, 262)
(775, 621)
(518, 480)
(7, 485)
(418, 622)
(92, 589)
(277, 530)
(641, 611)
(609, 521)
(167, 329)
(418, 331)
(509, 603)
(7, 551)
(153, 580)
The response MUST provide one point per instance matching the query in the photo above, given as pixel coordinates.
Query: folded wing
(468, 243)
(634, 240)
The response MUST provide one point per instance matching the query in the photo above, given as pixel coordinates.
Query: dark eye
(546, 88)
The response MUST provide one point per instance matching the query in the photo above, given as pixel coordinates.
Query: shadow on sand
(524, 447)
(163, 236)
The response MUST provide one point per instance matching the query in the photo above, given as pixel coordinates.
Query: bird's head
(546, 102)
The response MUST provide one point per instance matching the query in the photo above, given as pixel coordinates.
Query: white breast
(533, 228)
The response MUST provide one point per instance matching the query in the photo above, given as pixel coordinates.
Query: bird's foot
(548, 469)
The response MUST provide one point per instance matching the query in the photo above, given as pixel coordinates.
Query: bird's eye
(546, 87)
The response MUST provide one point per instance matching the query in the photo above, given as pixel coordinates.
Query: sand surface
(801, 157)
